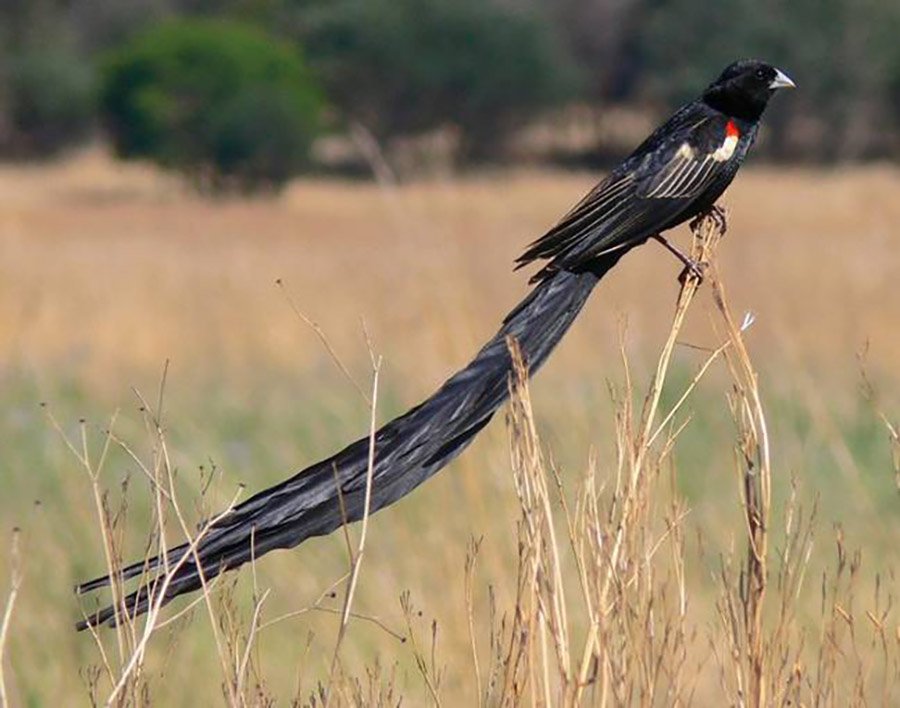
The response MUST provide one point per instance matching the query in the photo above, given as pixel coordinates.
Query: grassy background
(107, 271)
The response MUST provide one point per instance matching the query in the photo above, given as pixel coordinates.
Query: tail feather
(408, 451)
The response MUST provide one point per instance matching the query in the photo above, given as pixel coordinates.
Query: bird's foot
(693, 269)
(718, 215)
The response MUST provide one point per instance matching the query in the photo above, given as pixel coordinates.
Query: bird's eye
(760, 74)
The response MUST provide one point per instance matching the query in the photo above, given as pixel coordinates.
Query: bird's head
(743, 90)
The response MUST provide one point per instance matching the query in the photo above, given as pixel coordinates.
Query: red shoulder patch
(731, 130)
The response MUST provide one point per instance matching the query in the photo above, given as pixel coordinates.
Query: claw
(716, 214)
(693, 269)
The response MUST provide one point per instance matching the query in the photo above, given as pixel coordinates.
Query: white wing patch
(685, 174)
(726, 150)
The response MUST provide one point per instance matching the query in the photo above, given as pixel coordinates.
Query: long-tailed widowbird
(674, 175)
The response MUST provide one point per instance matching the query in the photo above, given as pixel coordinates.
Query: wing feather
(598, 206)
(653, 190)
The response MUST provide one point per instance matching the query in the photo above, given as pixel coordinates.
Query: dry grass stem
(15, 584)
(356, 558)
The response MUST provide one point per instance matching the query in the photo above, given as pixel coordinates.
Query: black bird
(676, 174)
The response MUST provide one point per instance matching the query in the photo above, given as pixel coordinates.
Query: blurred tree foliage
(485, 67)
(50, 103)
(220, 101)
(401, 67)
(47, 88)
(602, 36)
(838, 51)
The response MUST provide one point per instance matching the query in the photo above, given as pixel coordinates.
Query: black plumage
(676, 174)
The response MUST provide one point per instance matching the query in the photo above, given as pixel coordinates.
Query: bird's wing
(654, 189)
(688, 167)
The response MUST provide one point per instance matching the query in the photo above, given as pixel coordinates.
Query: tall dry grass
(94, 254)
(602, 610)
(106, 271)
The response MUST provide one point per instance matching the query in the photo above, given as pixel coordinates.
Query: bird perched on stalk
(675, 175)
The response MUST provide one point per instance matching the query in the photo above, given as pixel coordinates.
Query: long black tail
(408, 450)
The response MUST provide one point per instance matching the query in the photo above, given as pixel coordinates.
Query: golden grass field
(107, 271)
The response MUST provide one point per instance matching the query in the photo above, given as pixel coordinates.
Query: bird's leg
(692, 266)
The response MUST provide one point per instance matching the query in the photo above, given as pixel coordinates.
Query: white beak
(781, 80)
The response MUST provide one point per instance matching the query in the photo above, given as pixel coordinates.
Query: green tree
(223, 102)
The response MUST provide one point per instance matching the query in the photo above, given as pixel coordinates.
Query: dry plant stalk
(755, 470)
(762, 651)
(632, 595)
(124, 669)
(892, 428)
(540, 624)
(16, 576)
(356, 556)
(426, 664)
